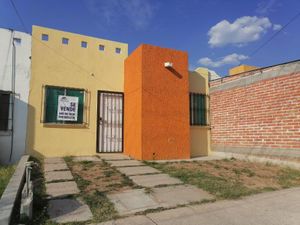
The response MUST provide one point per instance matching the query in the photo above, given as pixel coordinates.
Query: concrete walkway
(59, 185)
(158, 190)
(272, 208)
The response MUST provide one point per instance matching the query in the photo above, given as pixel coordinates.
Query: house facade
(78, 67)
(14, 90)
(87, 96)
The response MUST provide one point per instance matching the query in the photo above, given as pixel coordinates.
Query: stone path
(157, 189)
(59, 185)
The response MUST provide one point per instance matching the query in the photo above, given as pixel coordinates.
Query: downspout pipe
(13, 88)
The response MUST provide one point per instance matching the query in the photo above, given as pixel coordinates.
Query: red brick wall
(264, 114)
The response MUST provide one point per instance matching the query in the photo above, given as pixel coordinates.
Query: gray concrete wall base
(12, 192)
(260, 159)
(279, 152)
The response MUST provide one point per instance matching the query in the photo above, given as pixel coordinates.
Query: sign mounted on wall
(67, 109)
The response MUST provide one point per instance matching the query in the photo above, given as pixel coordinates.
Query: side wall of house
(70, 66)
(257, 112)
(200, 135)
(12, 150)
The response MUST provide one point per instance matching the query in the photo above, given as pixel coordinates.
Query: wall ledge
(12, 192)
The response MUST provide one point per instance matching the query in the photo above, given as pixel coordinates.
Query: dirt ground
(101, 177)
(251, 175)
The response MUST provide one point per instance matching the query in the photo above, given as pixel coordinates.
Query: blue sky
(217, 34)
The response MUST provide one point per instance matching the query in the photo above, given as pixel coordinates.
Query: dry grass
(229, 179)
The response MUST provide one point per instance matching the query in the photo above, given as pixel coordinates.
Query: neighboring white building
(15, 53)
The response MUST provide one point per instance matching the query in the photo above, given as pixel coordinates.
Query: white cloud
(232, 59)
(277, 27)
(243, 30)
(138, 12)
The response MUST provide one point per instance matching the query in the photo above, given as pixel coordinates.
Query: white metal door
(110, 125)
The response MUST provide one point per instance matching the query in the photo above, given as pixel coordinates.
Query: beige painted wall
(199, 135)
(70, 66)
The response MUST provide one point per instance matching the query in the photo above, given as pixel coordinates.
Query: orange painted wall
(163, 117)
(133, 104)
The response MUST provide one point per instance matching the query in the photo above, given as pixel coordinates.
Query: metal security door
(110, 122)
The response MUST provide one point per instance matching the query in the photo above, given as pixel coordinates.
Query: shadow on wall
(175, 72)
(13, 144)
(197, 82)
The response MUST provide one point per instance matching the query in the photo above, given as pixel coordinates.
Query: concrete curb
(251, 158)
(12, 192)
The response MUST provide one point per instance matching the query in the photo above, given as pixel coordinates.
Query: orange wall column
(157, 104)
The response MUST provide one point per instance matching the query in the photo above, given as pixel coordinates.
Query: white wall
(22, 74)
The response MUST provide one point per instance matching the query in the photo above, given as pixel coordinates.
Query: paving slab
(54, 160)
(272, 208)
(154, 180)
(132, 201)
(68, 210)
(61, 189)
(55, 166)
(58, 175)
(125, 163)
(113, 156)
(172, 196)
(137, 170)
(134, 220)
(86, 158)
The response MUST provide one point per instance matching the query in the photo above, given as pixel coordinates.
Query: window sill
(58, 125)
(200, 126)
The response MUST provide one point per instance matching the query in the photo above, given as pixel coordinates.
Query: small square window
(101, 47)
(118, 50)
(45, 37)
(84, 44)
(17, 41)
(65, 41)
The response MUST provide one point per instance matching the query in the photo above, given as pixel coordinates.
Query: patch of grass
(288, 177)
(5, 174)
(40, 203)
(249, 172)
(101, 207)
(148, 190)
(87, 164)
(68, 159)
(81, 183)
(126, 181)
(217, 166)
(108, 173)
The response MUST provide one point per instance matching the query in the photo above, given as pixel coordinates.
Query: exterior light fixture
(168, 64)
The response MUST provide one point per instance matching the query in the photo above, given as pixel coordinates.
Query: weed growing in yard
(108, 173)
(40, 203)
(101, 207)
(81, 183)
(87, 164)
(288, 177)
